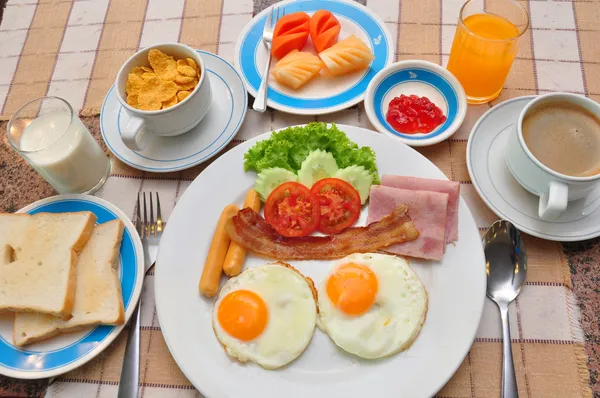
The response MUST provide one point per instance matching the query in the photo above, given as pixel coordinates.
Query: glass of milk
(54, 141)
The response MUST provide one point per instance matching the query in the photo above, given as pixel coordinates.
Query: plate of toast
(72, 273)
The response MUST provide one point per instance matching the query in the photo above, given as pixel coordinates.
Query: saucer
(165, 154)
(424, 79)
(506, 197)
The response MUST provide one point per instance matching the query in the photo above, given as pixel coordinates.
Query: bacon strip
(249, 229)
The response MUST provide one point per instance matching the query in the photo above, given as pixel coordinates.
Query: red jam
(413, 114)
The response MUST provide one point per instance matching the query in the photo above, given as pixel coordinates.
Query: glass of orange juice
(485, 44)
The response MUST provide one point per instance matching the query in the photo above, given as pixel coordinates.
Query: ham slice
(451, 188)
(428, 211)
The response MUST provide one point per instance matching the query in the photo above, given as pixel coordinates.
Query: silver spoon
(506, 269)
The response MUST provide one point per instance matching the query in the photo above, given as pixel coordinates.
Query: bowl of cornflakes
(164, 91)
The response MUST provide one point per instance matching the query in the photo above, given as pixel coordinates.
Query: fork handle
(130, 373)
(260, 102)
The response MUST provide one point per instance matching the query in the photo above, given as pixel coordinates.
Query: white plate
(65, 352)
(321, 95)
(506, 197)
(164, 154)
(456, 289)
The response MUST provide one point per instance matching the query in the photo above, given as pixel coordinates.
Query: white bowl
(175, 120)
(421, 78)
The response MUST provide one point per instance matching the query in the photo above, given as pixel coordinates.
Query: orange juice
(482, 53)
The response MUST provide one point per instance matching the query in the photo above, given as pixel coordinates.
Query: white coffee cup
(175, 120)
(554, 189)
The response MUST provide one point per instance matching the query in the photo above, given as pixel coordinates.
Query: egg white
(392, 323)
(291, 321)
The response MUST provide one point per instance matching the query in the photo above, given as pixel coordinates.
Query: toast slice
(12, 234)
(37, 265)
(98, 297)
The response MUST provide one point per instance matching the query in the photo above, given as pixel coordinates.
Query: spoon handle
(509, 381)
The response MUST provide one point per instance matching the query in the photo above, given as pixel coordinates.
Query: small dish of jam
(417, 102)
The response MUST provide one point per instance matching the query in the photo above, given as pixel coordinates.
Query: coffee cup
(554, 150)
(175, 120)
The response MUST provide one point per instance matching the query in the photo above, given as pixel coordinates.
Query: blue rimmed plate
(424, 79)
(321, 95)
(68, 351)
(165, 154)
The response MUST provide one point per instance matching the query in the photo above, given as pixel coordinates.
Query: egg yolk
(243, 314)
(352, 288)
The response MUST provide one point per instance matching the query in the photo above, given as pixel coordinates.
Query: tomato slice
(292, 210)
(339, 203)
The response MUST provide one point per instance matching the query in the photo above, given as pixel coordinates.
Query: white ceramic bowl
(175, 120)
(421, 78)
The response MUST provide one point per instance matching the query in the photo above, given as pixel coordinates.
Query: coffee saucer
(165, 154)
(506, 197)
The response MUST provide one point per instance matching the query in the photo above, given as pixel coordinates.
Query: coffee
(565, 137)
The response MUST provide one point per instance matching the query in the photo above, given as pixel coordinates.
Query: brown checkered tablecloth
(73, 49)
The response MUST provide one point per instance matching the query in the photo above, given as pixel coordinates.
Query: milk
(61, 150)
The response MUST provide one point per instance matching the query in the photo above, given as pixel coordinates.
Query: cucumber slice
(271, 178)
(359, 178)
(317, 165)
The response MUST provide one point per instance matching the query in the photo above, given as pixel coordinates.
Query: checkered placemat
(73, 49)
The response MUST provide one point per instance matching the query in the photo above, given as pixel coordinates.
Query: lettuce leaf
(288, 148)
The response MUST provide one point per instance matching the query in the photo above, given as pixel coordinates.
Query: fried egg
(266, 315)
(372, 305)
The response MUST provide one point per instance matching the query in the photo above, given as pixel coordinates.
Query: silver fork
(150, 231)
(260, 102)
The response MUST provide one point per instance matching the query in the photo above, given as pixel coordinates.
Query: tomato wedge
(339, 203)
(324, 29)
(290, 33)
(292, 210)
